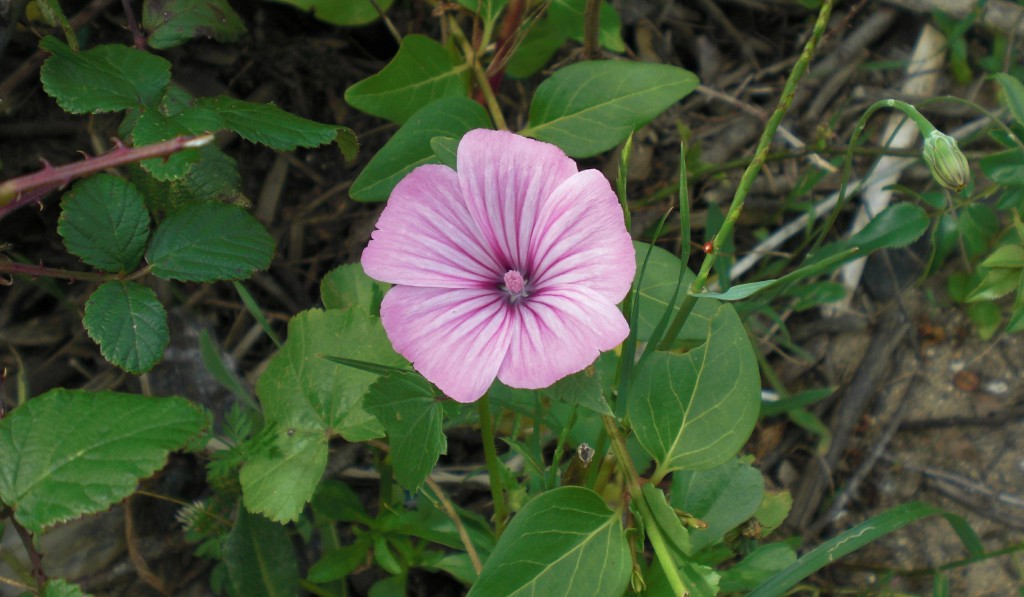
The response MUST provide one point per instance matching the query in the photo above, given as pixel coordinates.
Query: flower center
(515, 285)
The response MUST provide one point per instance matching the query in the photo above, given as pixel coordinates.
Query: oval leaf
(173, 22)
(69, 453)
(590, 107)
(106, 78)
(723, 497)
(408, 407)
(563, 542)
(260, 558)
(210, 241)
(129, 324)
(410, 147)
(422, 71)
(104, 221)
(696, 410)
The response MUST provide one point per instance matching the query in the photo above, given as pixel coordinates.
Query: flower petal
(581, 239)
(505, 179)
(560, 332)
(457, 338)
(426, 237)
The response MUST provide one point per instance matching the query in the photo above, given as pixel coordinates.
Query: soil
(939, 420)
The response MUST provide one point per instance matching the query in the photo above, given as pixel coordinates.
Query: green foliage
(307, 400)
(348, 12)
(106, 78)
(422, 71)
(70, 452)
(564, 542)
(409, 408)
(722, 497)
(696, 410)
(58, 587)
(590, 107)
(209, 241)
(347, 287)
(104, 222)
(260, 558)
(129, 324)
(563, 20)
(173, 22)
(410, 146)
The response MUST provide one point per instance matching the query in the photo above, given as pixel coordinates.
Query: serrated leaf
(590, 107)
(563, 542)
(129, 324)
(106, 78)
(723, 497)
(422, 71)
(214, 177)
(1004, 167)
(173, 22)
(104, 221)
(267, 124)
(1011, 95)
(1006, 256)
(696, 410)
(260, 558)
(350, 13)
(409, 409)
(68, 453)
(410, 146)
(348, 287)
(307, 400)
(209, 241)
(59, 587)
(997, 283)
(152, 126)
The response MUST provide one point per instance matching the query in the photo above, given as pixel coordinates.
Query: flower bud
(945, 160)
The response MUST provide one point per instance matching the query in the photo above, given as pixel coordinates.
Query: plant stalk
(493, 466)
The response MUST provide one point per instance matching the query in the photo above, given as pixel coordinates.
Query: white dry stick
(922, 74)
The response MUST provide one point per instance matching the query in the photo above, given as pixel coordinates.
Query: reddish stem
(133, 25)
(51, 177)
(505, 41)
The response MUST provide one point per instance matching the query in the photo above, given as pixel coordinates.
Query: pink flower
(509, 268)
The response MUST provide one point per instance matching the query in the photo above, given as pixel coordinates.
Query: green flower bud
(945, 160)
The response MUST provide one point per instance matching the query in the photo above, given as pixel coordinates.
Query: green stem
(750, 174)
(493, 466)
(661, 549)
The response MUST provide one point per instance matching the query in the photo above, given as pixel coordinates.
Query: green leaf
(773, 510)
(563, 19)
(338, 563)
(307, 400)
(104, 221)
(68, 453)
(978, 227)
(582, 389)
(563, 542)
(337, 502)
(696, 410)
(723, 497)
(408, 407)
(350, 13)
(997, 283)
(173, 22)
(59, 587)
(655, 293)
(843, 544)
(410, 146)
(1011, 95)
(667, 520)
(153, 126)
(129, 324)
(106, 78)
(1004, 167)
(348, 287)
(267, 124)
(897, 226)
(488, 10)
(759, 565)
(210, 241)
(589, 107)
(447, 150)
(260, 558)
(422, 71)
(1006, 256)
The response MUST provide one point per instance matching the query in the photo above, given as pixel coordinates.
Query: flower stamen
(515, 285)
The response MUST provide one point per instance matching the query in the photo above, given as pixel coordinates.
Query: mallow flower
(510, 267)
